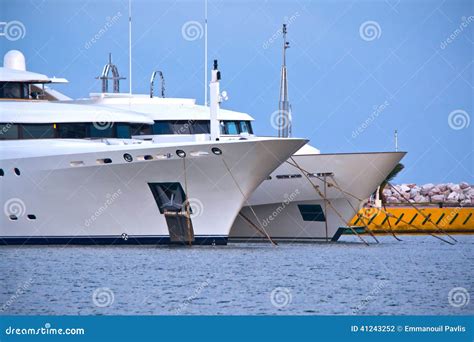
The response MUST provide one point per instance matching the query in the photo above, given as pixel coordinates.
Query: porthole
(217, 151)
(104, 161)
(128, 157)
(145, 157)
(17, 171)
(31, 217)
(77, 163)
(2, 173)
(181, 153)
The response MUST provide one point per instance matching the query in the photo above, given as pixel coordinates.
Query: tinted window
(38, 131)
(236, 127)
(13, 90)
(231, 128)
(72, 130)
(245, 127)
(141, 129)
(102, 131)
(181, 127)
(200, 127)
(311, 212)
(123, 131)
(162, 127)
(8, 131)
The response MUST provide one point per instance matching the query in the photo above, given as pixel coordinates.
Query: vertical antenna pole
(130, 45)
(284, 109)
(396, 140)
(205, 54)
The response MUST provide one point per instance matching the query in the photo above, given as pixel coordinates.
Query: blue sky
(357, 70)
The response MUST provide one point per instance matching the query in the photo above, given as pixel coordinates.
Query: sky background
(357, 70)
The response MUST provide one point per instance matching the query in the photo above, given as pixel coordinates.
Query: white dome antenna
(14, 59)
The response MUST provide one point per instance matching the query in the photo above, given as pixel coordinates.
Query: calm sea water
(414, 276)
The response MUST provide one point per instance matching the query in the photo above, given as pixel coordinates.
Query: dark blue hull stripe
(108, 240)
(279, 239)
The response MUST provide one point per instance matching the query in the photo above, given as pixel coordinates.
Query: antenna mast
(396, 140)
(284, 108)
(130, 45)
(205, 53)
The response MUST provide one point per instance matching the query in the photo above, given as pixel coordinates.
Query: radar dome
(14, 59)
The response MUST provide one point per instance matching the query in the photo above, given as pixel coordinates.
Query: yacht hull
(87, 193)
(290, 209)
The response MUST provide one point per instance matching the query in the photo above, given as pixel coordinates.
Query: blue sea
(420, 275)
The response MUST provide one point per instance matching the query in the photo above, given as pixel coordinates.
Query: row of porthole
(180, 153)
(128, 157)
(15, 170)
(296, 175)
(29, 216)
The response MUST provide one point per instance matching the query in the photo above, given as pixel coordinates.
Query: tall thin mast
(130, 45)
(396, 140)
(284, 129)
(205, 53)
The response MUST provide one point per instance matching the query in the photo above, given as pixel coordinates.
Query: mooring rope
(248, 204)
(422, 214)
(384, 211)
(187, 204)
(328, 201)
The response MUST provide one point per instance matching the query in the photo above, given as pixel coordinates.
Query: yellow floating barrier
(422, 220)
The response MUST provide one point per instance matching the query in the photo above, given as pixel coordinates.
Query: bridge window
(181, 127)
(8, 131)
(72, 130)
(236, 127)
(37, 131)
(102, 130)
(141, 129)
(123, 131)
(14, 90)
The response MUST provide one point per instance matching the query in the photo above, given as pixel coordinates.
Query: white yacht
(310, 197)
(70, 174)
